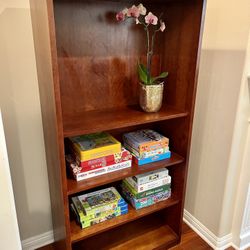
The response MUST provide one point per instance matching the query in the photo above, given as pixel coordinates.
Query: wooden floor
(190, 241)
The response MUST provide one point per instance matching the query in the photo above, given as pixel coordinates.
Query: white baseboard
(245, 240)
(214, 241)
(38, 241)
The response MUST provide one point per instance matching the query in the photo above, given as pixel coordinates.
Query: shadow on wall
(216, 104)
(19, 101)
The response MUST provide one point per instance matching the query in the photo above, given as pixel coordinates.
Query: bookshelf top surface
(96, 121)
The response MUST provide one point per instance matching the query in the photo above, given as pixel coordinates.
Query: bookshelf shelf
(79, 234)
(86, 65)
(96, 121)
(78, 186)
(142, 234)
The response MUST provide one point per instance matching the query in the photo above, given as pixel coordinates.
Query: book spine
(149, 185)
(151, 159)
(103, 170)
(151, 176)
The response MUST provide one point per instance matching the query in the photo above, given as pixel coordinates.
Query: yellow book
(97, 145)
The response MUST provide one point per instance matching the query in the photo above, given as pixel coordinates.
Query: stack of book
(147, 146)
(147, 189)
(96, 154)
(95, 207)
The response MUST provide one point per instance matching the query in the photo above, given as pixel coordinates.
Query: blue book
(151, 159)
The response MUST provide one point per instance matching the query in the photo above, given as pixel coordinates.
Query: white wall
(19, 101)
(214, 167)
(9, 233)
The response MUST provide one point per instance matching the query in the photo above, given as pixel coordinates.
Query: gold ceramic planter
(151, 97)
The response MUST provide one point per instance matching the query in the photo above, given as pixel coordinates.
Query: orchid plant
(148, 21)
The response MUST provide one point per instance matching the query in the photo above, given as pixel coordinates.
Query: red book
(104, 161)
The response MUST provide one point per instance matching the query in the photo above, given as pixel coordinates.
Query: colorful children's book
(78, 175)
(149, 185)
(158, 157)
(98, 201)
(92, 146)
(136, 195)
(147, 201)
(150, 176)
(123, 155)
(145, 140)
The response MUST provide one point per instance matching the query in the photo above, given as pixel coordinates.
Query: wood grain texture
(46, 59)
(142, 234)
(93, 121)
(78, 234)
(190, 240)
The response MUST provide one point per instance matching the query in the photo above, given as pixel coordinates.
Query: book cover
(83, 166)
(150, 176)
(96, 145)
(147, 201)
(101, 200)
(145, 154)
(146, 140)
(149, 185)
(144, 194)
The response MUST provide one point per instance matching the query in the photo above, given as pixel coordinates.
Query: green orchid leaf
(142, 73)
(162, 75)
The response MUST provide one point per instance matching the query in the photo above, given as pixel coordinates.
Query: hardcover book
(136, 195)
(94, 146)
(149, 185)
(150, 176)
(145, 140)
(82, 175)
(158, 157)
(123, 155)
(99, 201)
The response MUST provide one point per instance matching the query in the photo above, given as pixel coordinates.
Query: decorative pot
(151, 97)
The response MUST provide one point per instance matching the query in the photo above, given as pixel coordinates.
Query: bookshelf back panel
(97, 56)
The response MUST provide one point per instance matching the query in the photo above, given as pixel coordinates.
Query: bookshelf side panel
(46, 60)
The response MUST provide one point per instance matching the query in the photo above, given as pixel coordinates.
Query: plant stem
(148, 56)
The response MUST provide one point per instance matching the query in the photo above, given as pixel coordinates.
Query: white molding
(38, 241)
(217, 243)
(245, 240)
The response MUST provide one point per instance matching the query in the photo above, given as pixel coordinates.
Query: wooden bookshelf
(82, 123)
(78, 234)
(78, 186)
(86, 64)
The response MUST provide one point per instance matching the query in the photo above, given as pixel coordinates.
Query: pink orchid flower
(163, 26)
(142, 9)
(120, 16)
(133, 12)
(150, 18)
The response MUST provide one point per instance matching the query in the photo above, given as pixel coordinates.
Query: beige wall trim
(38, 241)
(217, 243)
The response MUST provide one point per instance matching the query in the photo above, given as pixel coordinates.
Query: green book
(145, 193)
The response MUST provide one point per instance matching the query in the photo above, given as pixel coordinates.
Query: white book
(150, 176)
(147, 186)
(103, 170)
